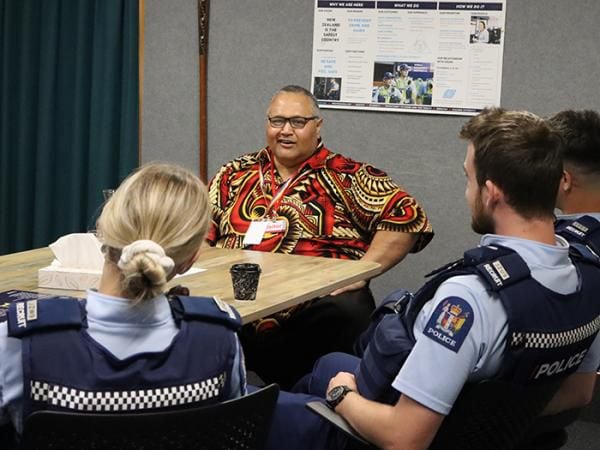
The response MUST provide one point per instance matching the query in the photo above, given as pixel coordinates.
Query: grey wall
(170, 87)
(551, 62)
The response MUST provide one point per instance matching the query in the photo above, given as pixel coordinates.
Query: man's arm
(218, 188)
(408, 425)
(387, 248)
(575, 392)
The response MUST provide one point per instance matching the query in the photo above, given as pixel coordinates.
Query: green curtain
(68, 113)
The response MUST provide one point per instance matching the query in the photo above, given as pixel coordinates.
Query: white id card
(255, 233)
(276, 226)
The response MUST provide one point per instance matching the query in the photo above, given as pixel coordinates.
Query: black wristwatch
(336, 395)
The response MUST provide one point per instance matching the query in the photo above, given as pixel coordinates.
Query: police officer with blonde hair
(126, 346)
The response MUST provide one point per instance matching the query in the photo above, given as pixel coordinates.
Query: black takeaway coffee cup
(245, 280)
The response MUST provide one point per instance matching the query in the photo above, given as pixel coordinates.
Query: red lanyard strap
(277, 196)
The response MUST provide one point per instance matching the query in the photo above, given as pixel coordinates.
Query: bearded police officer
(516, 308)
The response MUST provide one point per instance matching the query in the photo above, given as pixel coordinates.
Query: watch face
(336, 395)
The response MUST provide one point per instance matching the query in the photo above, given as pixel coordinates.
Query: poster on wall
(418, 57)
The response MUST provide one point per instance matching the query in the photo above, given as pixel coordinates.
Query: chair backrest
(8, 437)
(489, 415)
(241, 423)
(492, 415)
(591, 413)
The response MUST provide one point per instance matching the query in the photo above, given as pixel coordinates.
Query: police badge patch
(450, 323)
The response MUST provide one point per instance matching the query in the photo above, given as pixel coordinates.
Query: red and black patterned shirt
(332, 207)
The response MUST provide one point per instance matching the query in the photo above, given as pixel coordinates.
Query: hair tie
(154, 251)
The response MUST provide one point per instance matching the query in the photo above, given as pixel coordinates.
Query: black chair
(241, 423)
(490, 415)
(550, 432)
(8, 438)
(591, 413)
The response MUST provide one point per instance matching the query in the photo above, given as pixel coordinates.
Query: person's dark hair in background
(578, 196)
(580, 185)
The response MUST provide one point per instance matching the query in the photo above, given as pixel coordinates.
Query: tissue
(77, 265)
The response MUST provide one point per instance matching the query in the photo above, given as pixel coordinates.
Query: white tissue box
(78, 263)
(65, 278)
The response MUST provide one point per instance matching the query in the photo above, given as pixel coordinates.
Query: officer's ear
(564, 189)
(566, 181)
(492, 194)
(186, 265)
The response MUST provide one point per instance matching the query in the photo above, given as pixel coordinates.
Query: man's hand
(407, 425)
(387, 248)
(351, 287)
(343, 378)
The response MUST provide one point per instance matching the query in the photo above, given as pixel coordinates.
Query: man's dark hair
(294, 89)
(580, 131)
(520, 153)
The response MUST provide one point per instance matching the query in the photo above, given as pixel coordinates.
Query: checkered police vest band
(556, 340)
(110, 401)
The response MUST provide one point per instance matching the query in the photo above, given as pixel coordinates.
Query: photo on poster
(485, 30)
(327, 88)
(402, 82)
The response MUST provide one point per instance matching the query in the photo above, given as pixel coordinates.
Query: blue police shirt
(121, 328)
(441, 363)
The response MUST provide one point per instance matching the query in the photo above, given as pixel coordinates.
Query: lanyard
(277, 197)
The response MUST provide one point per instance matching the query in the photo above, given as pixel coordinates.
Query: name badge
(255, 233)
(276, 226)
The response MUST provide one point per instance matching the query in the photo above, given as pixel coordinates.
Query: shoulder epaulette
(584, 229)
(29, 316)
(211, 309)
(498, 266)
(581, 228)
(583, 235)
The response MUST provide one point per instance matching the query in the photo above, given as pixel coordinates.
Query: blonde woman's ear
(184, 266)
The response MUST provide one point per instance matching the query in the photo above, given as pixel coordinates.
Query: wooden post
(203, 6)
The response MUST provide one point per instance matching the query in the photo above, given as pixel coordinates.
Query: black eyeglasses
(296, 122)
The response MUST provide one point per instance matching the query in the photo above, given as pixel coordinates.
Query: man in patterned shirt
(296, 196)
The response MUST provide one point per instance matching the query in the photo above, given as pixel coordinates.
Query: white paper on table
(192, 271)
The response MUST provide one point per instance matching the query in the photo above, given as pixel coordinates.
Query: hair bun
(154, 251)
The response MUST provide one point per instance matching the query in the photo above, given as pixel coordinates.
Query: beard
(481, 223)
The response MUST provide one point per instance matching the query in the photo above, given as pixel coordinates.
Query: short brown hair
(520, 153)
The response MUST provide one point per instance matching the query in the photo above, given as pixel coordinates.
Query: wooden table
(286, 280)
